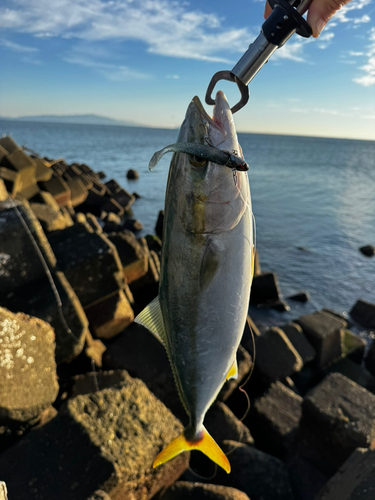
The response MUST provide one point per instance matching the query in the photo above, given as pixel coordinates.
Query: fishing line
(203, 477)
(95, 376)
(46, 269)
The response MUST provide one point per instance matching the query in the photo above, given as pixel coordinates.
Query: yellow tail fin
(206, 445)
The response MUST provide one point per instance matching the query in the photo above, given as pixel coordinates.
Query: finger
(267, 10)
(321, 11)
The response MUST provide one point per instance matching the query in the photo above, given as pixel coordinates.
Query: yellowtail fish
(206, 269)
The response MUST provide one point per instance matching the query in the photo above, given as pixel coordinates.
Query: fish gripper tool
(284, 20)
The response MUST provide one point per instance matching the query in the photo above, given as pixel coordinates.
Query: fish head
(216, 196)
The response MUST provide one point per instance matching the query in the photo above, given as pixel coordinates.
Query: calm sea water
(313, 200)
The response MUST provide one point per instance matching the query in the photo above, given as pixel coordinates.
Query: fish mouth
(222, 132)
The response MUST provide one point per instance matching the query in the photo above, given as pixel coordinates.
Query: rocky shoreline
(87, 398)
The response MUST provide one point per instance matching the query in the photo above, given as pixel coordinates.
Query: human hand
(319, 13)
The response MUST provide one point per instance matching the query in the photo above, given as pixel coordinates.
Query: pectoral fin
(209, 266)
(233, 372)
(206, 444)
(152, 318)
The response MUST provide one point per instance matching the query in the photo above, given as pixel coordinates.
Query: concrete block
(323, 332)
(27, 366)
(3, 491)
(9, 144)
(355, 372)
(264, 289)
(124, 198)
(43, 170)
(115, 432)
(185, 490)
(244, 364)
(133, 255)
(89, 261)
(338, 417)
(59, 190)
(355, 480)
(22, 163)
(363, 312)
(110, 316)
(370, 359)
(11, 179)
(276, 357)
(113, 186)
(78, 191)
(50, 219)
(295, 334)
(275, 419)
(352, 346)
(3, 191)
(222, 424)
(3, 153)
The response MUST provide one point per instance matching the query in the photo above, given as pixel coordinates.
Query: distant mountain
(80, 119)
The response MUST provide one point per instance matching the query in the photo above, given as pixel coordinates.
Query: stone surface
(355, 372)
(275, 419)
(276, 357)
(363, 312)
(264, 289)
(89, 261)
(222, 424)
(102, 441)
(133, 255)
(323, 332)
(258, 474)
(96, 381)
(355, 480)
(295, 334)
(338, 417)
(368, 250)
(110, 316)
(27, 366)
(184, 490)
(352, 346)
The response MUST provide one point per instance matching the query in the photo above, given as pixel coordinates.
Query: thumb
(321, 11)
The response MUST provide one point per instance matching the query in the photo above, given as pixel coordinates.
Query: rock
(113, 186)
(112, 222)
(275, 419)
(89, 261)
(137, 351)
(352, 346)
(124, 199)
(355, 480)
(368, 250)
(94, 350)
(110, 316)
(132, 174)
(222, 424)
(99, 495)
(78, 190)
(136, 195)
(244, 364)
(27, 366)
(184, 490)
(8, 144)
(3, 491)
(257, 474)
(159, 224)
(278, 305)
(146, 288)
(50, 219)
(323, 332)
(93, 221)
(133, 254)
(370, 359)
(59, 189)
(296, 336)
(20, 262)
(118, 432)
(101, 175)
(133, 225)
(343, 316)
(355, 372)
(153, 243)
(276, 357)
(300, 297)
(338, 417)
(19, 162)
(363, 312)
(264, 289)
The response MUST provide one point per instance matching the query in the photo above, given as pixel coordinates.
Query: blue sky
(143, 60)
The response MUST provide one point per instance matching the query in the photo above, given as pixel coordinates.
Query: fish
(206, 269)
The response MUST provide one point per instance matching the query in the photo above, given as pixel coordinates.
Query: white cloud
(167, 27)
(368, 78)
(325, 39)
(342, 17)
(16, 46)
(173, 77)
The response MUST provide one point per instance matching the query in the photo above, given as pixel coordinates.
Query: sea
(313, 201)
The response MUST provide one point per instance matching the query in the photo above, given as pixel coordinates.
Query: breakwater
(88, 399)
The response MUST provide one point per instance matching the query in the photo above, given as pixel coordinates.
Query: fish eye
(197, 161)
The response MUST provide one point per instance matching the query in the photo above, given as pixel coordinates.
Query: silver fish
(206, 272)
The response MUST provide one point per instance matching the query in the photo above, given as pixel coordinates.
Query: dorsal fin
(233, 372)
(152, 318)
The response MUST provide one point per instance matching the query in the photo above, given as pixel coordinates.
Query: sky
(144, 60)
